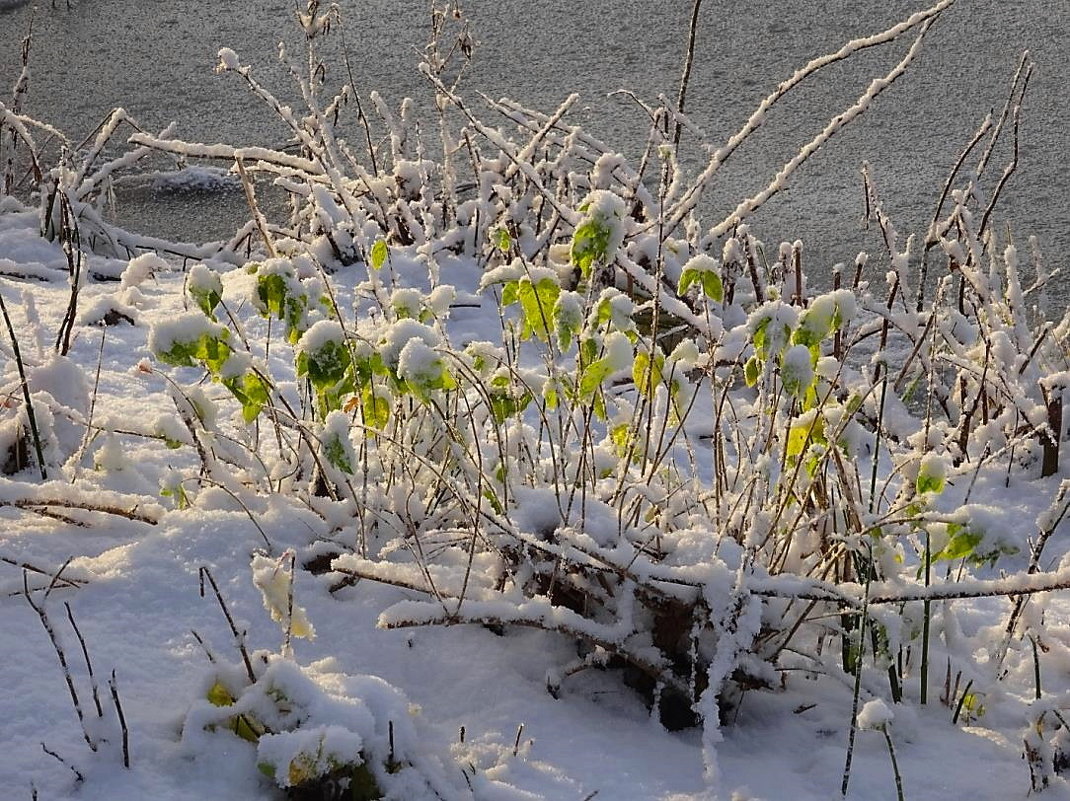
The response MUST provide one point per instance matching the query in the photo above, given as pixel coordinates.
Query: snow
(197, 179)
(876, 714)
(238, 620)
(228, 59)
(418, 363)
(320, 335)
(274, 579)
(137, 600)
(797, 368)
(202, 279)
(403, 333)
(141, 268)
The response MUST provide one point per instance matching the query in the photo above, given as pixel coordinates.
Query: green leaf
(590, 242)
(326, 366)
(366, 367)
(375, 409)
(648, 377)
(752, 370)
(622, 437)
(797, 372)
(760, 339)
(511, 293)
(932, 473)
(272, 291)
(208, 350)
(284, 298)
(550, 395)
(537, 304)
(589, 350)
(337, 454)
(929, 483)
(593, 376)
(249, 729)
(206, 299)
(501, 238)
(251, 391)
(815, 324)
(178, 492)
(218, 695)
(506, 404)
(380, 253)
(961, 543)
(712, 286)
(687, 278)
(567, 319)
(709, 280)
(770, 343)
(808, 430)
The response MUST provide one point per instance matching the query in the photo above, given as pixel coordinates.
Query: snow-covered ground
(478, 720)
(487, 480)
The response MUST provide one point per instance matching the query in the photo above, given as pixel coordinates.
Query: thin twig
(686, 77)
(122, 719)
(239, 637)
(42, 614)
(78, 777)
(88, 661)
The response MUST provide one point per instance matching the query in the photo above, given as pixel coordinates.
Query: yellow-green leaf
(380, 252)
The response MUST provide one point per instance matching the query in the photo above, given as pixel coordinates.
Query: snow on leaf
(275, 583)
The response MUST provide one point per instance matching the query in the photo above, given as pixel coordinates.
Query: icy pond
(156, 60)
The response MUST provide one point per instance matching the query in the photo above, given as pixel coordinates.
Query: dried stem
(239, 637)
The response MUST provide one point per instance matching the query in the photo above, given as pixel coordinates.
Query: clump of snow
(228, 59)
(141, 268)
(419, 364)
(202, 279)
(181, 330)
(107, 310)
(400, 334)
(314, 724)
(605, 211)
(797, 369)
(440, 300)
(617, 309)
(514, 271)
(732, 253)
(321, 334)
(772, 323)
(295, 757)
(874, 715)
(406, 302)
(703, 263)
(619, 351)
